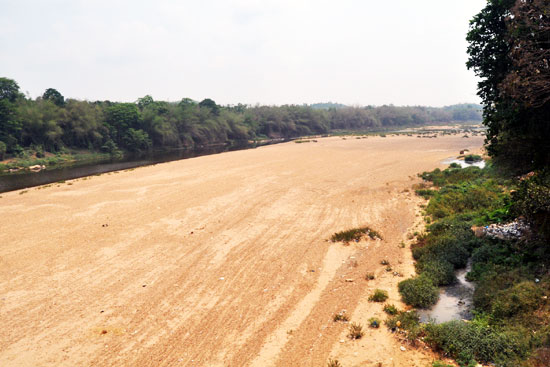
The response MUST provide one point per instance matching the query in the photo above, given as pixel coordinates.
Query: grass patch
(379, 295)
(390, 309)
(355, 331)
(355, 234)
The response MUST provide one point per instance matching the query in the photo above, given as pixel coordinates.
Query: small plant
(402, 244)
(369, 276)
(390, 309)
(441, 364)
(388, 268)
(333, 363)
(385, 262)
(374, 322)
(340, 317)
(356, 331)
(379, 295)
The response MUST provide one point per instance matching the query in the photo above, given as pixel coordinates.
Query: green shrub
(520, 298)
(440, 364)
(532, 200)
(404, 319)
(3, 148)
(379, 295)
(390, 309)
(440, 272)
(419, 292)
(425, 193)
(466, 341)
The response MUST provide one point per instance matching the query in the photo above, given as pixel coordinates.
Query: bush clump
(390, 309)
(440, 272)
(469, 341)
(379, 295)
(419, 292)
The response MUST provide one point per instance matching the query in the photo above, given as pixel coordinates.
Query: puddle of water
(463, 164)
(455, 301)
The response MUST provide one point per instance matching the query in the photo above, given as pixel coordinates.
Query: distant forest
(52, 123)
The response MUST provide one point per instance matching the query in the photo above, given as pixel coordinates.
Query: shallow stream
(455, 301)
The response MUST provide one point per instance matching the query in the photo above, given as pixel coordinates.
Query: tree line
(51, 122)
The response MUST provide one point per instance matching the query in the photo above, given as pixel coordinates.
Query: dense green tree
(120, 117)
(3, 148)
(137, 140)
(10, 127)
(41, 124)
(517, 133)
(53, 95)
(210, 104)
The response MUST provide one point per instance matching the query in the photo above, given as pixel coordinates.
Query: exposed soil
(220, 260)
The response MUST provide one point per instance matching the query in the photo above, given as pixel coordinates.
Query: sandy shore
(219, 260)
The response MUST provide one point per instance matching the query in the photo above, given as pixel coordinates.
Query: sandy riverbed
(219, 260)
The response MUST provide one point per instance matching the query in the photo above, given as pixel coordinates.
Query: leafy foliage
(419, 292)
(508, 48)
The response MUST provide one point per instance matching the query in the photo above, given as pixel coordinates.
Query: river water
(24, 179)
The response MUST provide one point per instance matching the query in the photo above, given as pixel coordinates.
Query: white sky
(366, 52)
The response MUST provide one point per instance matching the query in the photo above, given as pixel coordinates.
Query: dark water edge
(26, 179)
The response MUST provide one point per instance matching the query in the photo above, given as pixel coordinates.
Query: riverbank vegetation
(510, 263)
(512, 280)
(52, 124)
(511, 306)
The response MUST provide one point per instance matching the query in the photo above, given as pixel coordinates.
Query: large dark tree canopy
(53, 95)
(10, 127)
(507, 47)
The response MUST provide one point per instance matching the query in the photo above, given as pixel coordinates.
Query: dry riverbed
(220, 260)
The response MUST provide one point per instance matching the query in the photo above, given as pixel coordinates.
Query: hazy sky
(270, 51)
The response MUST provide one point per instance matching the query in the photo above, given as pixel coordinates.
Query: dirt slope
(220, 260)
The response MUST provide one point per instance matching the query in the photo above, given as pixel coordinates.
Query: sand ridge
(208, 261)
